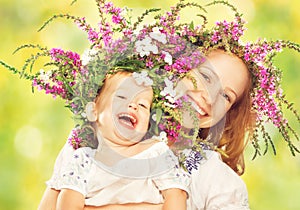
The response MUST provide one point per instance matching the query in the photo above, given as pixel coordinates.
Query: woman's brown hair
(239, 125)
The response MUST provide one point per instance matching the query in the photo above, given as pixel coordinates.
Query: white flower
(138, 30)
(169, 89)
(168, 57)
(173, 106)
(171, 99)
(157, 35)
(88, 55)
(162, 137)
(141, 78)
(83, 114)
(154, 117)
(186, 152)
(145, 46)
(45, 76)
(170, 93)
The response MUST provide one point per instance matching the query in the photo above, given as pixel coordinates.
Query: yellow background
(33, 127)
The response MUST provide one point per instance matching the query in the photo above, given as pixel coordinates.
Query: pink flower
(74, 139)
(116, 19)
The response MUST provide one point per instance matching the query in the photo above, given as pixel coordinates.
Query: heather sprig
(268, 98)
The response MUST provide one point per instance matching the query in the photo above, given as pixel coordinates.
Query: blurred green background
(34, 127)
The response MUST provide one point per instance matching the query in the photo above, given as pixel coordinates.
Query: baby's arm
(49, 199)
(70, 199)
(174, 199)
(71, 179)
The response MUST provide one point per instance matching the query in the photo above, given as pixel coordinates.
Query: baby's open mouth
(128, 119)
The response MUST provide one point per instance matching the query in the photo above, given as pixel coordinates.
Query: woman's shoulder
(215, 185)
(213, 168)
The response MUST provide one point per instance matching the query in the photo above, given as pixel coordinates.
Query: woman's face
(220, 81)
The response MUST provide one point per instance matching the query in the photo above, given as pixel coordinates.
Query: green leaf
(191, 26)
(158, 115)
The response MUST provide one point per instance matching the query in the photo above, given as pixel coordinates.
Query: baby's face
(124, 110)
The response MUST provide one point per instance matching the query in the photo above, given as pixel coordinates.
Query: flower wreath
(163, 52)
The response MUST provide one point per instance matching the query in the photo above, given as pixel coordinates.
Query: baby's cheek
(144, 123)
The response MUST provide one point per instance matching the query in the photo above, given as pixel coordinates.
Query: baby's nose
(132, 105)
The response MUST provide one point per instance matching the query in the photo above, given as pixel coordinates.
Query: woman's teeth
(197, 108)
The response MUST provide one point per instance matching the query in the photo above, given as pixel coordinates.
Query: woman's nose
(207, 91)
(210, 94)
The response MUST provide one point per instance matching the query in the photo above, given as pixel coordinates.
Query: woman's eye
(225, 96)
(206, 77)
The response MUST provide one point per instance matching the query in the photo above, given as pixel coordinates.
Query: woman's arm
(70, 199)
(128, 206)
(49, 199)
(174, 199)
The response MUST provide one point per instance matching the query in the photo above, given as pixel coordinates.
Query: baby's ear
(91, 112)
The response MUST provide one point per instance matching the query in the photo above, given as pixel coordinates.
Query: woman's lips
(201, 111)
(198, 109)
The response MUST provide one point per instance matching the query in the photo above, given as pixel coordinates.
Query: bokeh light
(29, 142)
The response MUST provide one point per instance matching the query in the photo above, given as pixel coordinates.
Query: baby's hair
(108, 80)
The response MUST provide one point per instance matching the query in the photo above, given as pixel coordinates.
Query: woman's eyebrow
(211, 69)
(208, 68)
(232, 91)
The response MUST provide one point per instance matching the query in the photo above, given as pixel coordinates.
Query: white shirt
(79, 171)
(215, 186)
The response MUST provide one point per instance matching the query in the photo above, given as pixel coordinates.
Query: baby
(124, 168)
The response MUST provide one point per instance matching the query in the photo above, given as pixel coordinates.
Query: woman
(215, 184)
(223, 91)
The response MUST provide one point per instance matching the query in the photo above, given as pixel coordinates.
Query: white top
(78, 170)
(215, 186)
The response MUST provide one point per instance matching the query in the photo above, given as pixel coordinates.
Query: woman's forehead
(230, 70)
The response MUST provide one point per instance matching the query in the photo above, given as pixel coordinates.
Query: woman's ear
(91, 112)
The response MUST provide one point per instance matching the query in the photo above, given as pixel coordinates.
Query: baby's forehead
(130, 88)
(126, 84)
(113, 82)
